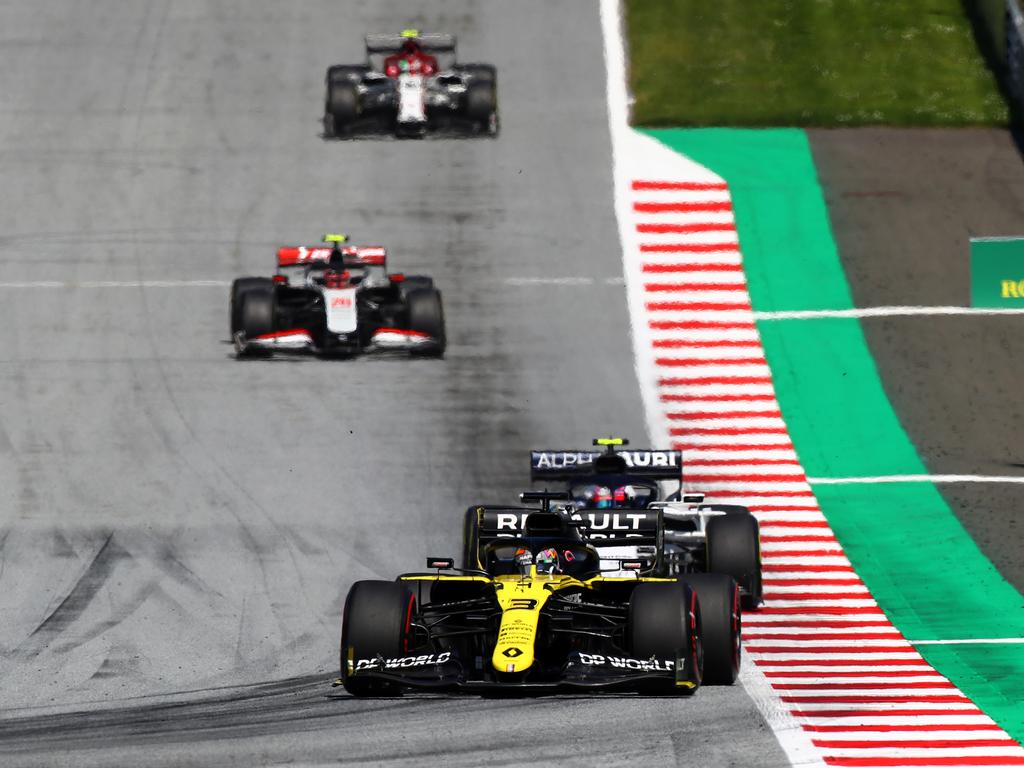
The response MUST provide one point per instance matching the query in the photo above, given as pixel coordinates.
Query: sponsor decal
(1013, 289)
(515, 633)
(341, 301)
(403, 662)
(996, 272)
(512, 652)
(625, 662)
(612, 522)
(556, 460)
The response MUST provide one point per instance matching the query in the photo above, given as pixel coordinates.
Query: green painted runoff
(905, 542)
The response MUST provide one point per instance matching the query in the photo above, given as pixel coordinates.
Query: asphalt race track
(177, 528)
(903, 205)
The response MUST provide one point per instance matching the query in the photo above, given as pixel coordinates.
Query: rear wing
(355, 256)
(570, 465)
(430, 42)
(436, 44)
(600, 527)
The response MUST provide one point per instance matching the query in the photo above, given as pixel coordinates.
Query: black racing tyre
(733, 548)
(412, 283)
(665, 623)
(721, 624)
(729, 509)
(239, 288)
(375, 623)
(426, 314)
(342, 105)
(345, 73)
(471, 540)
(481, 101)
(256, 315)
(479, 73)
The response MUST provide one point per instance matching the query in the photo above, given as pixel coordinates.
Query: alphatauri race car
(610, 490)
(345, 302)
(409, 85)
(540, 613)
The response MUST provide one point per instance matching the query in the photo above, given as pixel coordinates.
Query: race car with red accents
(410, 85)
(343, 302)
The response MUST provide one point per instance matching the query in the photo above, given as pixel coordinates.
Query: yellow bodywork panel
(521, 598)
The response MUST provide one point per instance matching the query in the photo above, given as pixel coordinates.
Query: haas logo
(341, 302)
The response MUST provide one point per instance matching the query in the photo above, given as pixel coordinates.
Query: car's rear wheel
(729, 509)
(720, 621)
(665, 623)
(376, 622)
(426, 315)
(412, 283)
(481, 103)
(479, 73)
(733, 548)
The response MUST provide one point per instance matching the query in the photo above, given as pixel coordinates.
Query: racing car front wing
(583, 671)
(299, 339)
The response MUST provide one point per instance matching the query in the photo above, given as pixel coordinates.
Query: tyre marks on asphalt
(861, 692)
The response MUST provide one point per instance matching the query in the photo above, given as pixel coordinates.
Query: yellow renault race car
(539, 616)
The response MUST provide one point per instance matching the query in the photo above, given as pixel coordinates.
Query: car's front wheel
(376, 623)
(665, 624)
(426, 315)
(720, 622)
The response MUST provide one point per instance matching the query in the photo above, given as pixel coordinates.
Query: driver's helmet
(524, 559)
(594, 496)
(623, 496)
(335, 278)
(547, 561)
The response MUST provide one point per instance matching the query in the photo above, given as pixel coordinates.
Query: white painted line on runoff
(118, 284)
(972, 641)
(818, 314)
(915, 479)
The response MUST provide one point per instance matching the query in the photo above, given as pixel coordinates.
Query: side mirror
(441, 563)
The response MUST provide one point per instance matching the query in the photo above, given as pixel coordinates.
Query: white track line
(117, 284)
(817, 314)
(915, 479)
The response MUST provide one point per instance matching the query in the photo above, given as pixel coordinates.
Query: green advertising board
(997, 272)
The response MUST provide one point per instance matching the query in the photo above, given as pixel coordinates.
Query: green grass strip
(903, 539)
(808, 63)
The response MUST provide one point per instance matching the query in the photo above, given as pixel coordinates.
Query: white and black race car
(345, 302)
(409, 85)
(616, 496)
